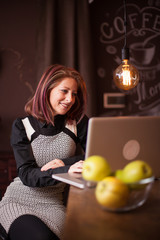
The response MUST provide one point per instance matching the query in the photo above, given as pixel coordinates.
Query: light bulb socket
(125, 53)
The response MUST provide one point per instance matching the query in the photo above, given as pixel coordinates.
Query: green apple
(135, 171)
(112, 193)
(119, 174)
(95, 168)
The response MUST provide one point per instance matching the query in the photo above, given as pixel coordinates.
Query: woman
(45, 143)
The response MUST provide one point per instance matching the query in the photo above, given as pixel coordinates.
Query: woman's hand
(76, 168)
(53, 164)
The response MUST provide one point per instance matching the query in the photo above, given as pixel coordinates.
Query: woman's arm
(28, 171)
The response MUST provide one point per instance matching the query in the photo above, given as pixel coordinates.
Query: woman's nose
(69, 97)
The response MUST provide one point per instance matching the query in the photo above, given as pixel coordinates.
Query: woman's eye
(64, 90)
(74, 94)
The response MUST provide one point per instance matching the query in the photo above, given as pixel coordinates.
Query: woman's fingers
(53, 164)
(76, 168)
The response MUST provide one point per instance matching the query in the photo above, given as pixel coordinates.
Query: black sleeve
(82, 128)
(28, 171)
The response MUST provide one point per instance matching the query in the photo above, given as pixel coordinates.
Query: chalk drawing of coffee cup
(142, 53)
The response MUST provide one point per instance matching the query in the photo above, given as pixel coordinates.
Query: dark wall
(19, 28)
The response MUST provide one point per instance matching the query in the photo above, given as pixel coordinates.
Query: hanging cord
(125, 50)
(125, 24)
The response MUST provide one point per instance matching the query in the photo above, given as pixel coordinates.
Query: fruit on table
(95, 168)
(112, 193)
(118, 174)
(134, 171)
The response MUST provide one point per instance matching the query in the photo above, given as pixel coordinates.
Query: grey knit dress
(44, 202)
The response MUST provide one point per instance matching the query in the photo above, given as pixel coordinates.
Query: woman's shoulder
(19, 120)
(17, 123)
(25, 122)
(24, 127)
(83, 121)
(74, 122)
(82, 125)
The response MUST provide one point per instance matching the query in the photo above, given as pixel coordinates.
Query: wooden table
(85, 219)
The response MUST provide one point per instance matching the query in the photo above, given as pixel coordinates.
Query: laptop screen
(124, 139)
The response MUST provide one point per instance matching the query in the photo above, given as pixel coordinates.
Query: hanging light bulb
(126, 75)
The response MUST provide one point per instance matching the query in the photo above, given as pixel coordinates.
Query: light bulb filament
(126, 77)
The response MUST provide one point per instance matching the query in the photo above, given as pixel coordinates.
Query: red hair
(39, 106)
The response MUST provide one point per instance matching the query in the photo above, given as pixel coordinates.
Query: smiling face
(62, 97)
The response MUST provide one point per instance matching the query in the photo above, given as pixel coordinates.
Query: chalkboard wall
(143, 38)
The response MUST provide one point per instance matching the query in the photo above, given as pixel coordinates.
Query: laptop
(74, 179)
(121, 140)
